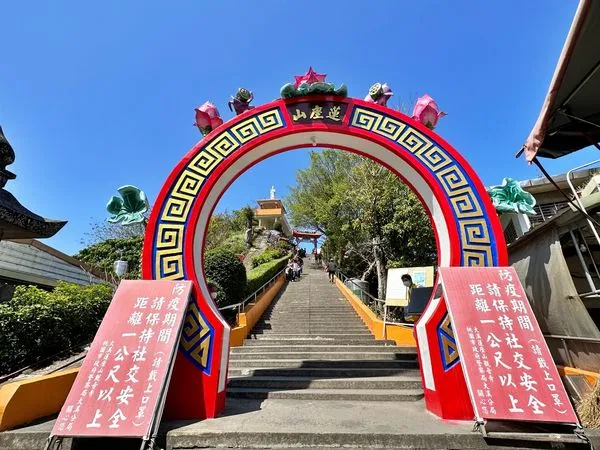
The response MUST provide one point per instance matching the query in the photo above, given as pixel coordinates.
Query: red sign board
(120, 388)
(507, 365)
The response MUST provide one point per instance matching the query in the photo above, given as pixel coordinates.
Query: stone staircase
(311, 345)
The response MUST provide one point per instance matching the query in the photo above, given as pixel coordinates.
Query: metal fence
(574, 351)
(375, 304)
(239, 307)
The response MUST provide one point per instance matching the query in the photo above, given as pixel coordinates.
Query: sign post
(508, 368)
(121, 387)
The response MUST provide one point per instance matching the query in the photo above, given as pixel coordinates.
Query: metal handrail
(240, 306)
(565, 339)
(345, 278)
(572, 338)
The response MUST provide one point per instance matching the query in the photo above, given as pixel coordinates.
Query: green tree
(365, 211)
(102, 255)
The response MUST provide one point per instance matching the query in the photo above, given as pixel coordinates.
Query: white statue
(272, 192)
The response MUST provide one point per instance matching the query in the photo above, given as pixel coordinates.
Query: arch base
(444, 384)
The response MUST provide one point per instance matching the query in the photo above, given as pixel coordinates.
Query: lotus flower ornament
(207, 118)
(130, 208)
(312, 83)
(426, 111)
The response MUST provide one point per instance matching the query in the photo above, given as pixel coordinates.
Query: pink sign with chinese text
(507, 365)
(121, 386)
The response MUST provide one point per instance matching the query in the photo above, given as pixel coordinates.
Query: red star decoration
(309, 77)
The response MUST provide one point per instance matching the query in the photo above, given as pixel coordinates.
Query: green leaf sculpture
(511, 198)
(130, 208)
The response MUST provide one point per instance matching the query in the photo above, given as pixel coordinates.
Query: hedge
(268, 255)
(224, 268)
(36, 324)
(263, 273)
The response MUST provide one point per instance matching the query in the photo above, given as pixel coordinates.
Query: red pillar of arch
(467, 230)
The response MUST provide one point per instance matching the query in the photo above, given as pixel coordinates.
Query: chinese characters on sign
(118, 389)
(326, 112)
(507, 364)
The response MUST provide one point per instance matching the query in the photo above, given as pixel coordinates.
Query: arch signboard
(467, 229)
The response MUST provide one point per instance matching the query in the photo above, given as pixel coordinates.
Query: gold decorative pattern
(196, 337)
(168, 260)
(473, 224)
(447, 342)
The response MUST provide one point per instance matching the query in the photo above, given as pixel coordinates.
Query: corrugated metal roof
(29, 264)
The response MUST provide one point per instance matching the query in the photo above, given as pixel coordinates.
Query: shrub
(284, 245)
(37, 324)
(225, 269)
(104, 254)
(268, 255)
(263, 273)
(235, 244)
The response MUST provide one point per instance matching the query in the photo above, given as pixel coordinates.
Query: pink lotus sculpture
(207, 118)
(427, 112)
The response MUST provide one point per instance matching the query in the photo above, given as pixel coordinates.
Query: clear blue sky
(100, 94)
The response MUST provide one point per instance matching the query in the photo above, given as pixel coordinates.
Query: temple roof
(306, 234)
(271, 204)
(17, 222)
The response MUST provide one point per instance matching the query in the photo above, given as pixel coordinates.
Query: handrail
(240, 306)
(345, 278)
(565, 339)
(572, 338)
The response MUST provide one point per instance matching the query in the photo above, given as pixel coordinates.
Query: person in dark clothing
(331, 268)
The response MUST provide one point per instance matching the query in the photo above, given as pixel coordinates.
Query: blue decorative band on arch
(478, 245)
(167, 257)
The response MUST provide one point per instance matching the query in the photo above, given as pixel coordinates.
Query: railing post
(566, 347)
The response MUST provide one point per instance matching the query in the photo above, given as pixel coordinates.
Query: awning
(570, 116)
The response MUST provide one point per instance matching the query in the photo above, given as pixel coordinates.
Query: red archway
(467, 229)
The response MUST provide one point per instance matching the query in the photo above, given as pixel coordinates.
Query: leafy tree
(102, 255)
(367, 214)
(220, 227)
(102, 230)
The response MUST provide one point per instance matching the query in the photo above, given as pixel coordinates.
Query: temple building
(271, 215)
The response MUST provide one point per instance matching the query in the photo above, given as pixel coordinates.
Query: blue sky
(100, 94)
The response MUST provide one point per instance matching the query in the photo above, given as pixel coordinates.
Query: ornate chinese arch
(467, 229)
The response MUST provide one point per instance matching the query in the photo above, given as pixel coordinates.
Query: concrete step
(390, 439)
(319, 372)
(266, 341)
(337, 336)
(324, 363)
(311, 329)
(299, 324)
(338, 311)
(344, 332)
(325, 356)
(390, 382)
(317, 317)
(320, 348)
(373, 395)
(311, 317)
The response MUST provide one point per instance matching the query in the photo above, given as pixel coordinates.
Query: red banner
(507, 365)
(121, 385)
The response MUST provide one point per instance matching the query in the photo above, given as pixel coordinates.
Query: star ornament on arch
(309, 77)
